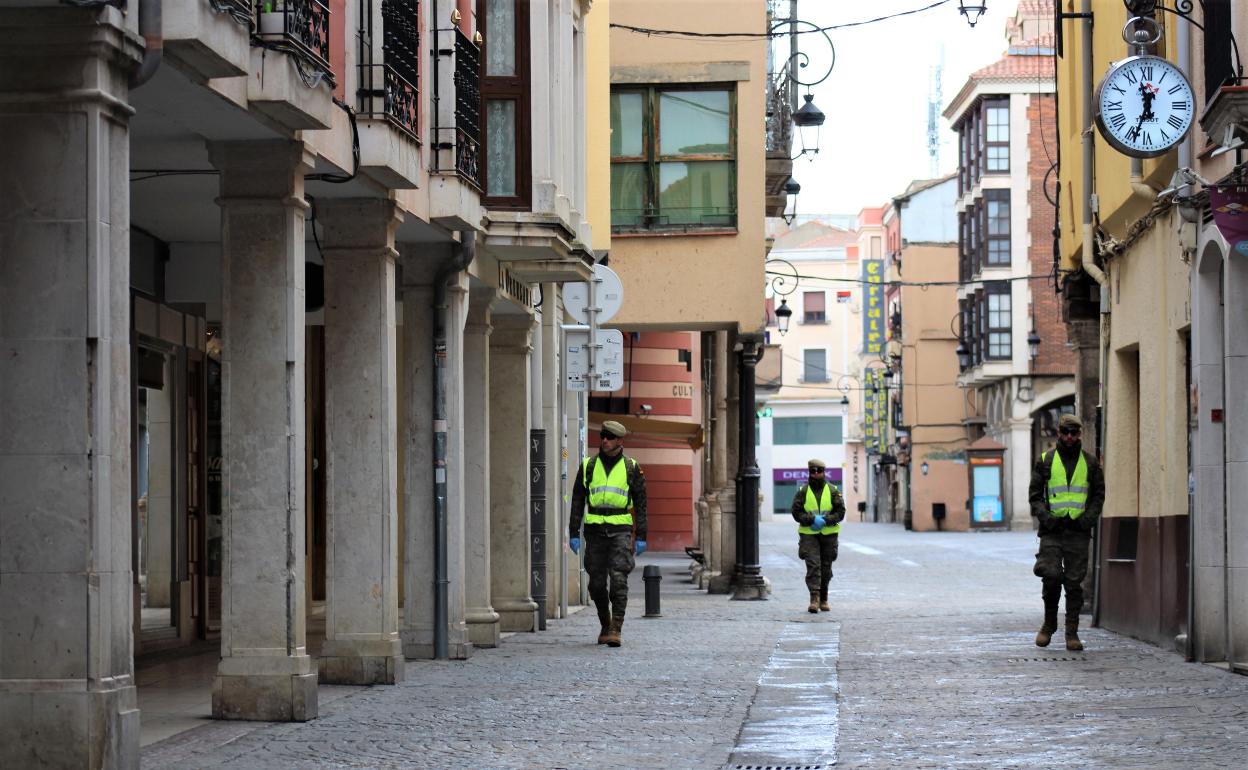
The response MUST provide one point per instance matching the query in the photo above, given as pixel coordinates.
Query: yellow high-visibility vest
(608, 493)
(820, 507)
(1067, 496)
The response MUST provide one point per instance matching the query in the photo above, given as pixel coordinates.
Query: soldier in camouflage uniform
(819, 509)
(615, 488)
(1067, 493)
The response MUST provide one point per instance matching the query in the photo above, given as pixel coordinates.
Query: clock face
(1144, 106)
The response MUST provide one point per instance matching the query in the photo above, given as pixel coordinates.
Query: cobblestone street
(926, 660)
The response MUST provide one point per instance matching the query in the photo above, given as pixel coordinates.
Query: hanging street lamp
(972, 11)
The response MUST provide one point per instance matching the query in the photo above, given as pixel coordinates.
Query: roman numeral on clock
(1174, 89)
(1118, 121)
(1175, 121)
(1113, 107)
(1179, 105)
(1130, 76)
(1147, 72)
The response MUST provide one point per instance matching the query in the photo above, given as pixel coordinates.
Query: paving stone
(926, 660)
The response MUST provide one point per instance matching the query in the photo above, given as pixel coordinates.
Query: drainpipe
(151, 27)
(1089, 266)
(1183, 41)
(463, 256)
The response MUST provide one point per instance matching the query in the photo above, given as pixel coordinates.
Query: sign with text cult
(872, 306)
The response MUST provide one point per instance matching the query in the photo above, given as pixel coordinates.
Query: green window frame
(673, 158)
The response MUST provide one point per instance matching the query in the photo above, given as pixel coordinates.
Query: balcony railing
(467, 109)
(299, 26)
(779, 121)
(388, 89)
(241, 10)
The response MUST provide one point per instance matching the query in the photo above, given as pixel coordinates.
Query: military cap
(614, 428)
(1070, 421)
(816, 464)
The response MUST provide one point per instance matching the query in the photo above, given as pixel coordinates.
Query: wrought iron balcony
(779, 121)
(388, 89)
(467, 109)
(242, 10)
(298, 26)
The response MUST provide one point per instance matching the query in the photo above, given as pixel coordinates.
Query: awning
(666, 431)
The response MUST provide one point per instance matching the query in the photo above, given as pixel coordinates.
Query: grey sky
(875, 139)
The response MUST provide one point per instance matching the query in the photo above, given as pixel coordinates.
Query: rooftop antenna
(934, 102)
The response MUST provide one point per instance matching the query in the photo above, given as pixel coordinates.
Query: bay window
(673, 158)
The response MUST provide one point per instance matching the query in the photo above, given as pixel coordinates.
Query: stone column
(721, 504)
(482, 620)
(1017, 488)
(510, 346)
(67, 696)
(265, 671)
(420, 268)
(552, 387)
(361, 622)
(160, 477)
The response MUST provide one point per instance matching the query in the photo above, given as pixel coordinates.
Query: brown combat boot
(604, 618)
(1072, 636)
(813, 607)
(1045, 634)
(613, 633)
(823, 601)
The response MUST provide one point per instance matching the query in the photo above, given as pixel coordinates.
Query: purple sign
(1230, 214)
(799, 475)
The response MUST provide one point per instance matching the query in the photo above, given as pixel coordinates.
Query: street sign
(608, 361)
(608, 295)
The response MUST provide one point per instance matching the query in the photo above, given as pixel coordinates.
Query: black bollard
(652, 576)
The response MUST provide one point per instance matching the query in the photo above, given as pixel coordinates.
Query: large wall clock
(1144, 106)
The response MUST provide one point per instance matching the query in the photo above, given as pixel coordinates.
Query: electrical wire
(888, 284)
(772, 33)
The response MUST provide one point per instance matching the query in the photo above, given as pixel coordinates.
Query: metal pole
(750, 583)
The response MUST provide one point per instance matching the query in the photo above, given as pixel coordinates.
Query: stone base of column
(705, 578)
(361, 661)
(516, 614)
(42, 725)
(265, 689)
(720, 583)
(756, 588)
(426, 651)
(483, 627)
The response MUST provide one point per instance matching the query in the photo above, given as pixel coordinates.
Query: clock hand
(1133, 133)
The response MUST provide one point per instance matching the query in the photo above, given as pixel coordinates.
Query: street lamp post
(783, 279)
(749, 583)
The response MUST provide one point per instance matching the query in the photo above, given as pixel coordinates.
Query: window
(797, 431)
(998, 327)
(997, 128)
(1219, 55)
(964, 272)
(673, 159)
(504, 25)
(997, 222)
(814, 309)
(815, 365)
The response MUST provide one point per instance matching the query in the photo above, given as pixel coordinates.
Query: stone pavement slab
(926, 661)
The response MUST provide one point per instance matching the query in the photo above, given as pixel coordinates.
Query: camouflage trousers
(609, 560)
(818, 551)
(1063, 561)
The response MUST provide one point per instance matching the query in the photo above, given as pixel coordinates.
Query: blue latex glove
(575, 544)
(819, 523)
(640, 547)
